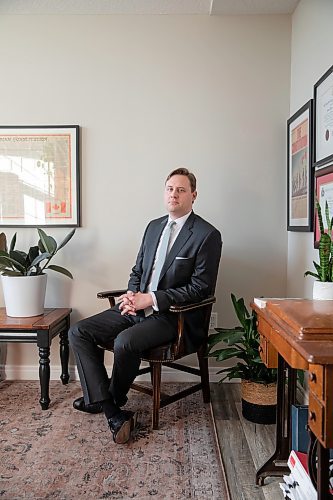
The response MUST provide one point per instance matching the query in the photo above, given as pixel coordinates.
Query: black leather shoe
(121, 425)
(80, 405)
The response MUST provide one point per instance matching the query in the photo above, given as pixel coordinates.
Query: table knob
(312, 416)
(312, 377)
(257, 323)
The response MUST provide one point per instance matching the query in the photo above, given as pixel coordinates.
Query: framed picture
(323, 110)
(39, 176)
(300, 175)
(324, 192)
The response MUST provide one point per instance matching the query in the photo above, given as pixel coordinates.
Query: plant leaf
(66, 239)
(240, 309)
(61, 270)
(223, 354)
(224, 335)
(310, 273)
(18, 257)
(39, 259)
(46, 243)
(3, 242)
(13, 243)
(10, 272)
(12, 263)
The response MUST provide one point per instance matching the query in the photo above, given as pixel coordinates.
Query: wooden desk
(298, 334)
(40, 330)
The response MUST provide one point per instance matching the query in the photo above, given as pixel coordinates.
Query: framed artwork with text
(39, 176)
(300, 175)
(324, 193)
(323, 110)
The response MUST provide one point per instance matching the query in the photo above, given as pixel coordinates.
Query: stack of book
(298, 485)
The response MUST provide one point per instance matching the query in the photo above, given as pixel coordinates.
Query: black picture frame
(299, 169)
(324, 192)
(40, 176)
(323, 119)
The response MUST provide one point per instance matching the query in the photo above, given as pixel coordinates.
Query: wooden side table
(40, 330)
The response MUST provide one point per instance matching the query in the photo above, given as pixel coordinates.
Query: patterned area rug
(61, 453)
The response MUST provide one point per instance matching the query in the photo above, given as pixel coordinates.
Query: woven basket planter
(259, 402)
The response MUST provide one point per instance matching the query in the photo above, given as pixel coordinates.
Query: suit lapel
(185, 233)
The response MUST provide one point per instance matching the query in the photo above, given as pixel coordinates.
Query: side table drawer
(316, 417)
(268, 354)
(316, 380)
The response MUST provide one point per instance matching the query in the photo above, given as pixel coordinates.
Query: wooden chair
(167, 354)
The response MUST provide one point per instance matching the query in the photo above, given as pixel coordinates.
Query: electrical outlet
(213, 321)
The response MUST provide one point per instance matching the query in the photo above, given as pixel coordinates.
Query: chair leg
(203, 364)
(156, 370)
(151, 371)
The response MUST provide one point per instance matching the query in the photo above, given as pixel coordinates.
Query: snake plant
(17, 263)
(325, 267)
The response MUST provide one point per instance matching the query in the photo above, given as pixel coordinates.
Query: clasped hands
(131, 302)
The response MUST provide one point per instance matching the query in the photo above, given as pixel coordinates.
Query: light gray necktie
(163, 250)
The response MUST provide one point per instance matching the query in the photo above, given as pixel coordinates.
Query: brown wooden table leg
(44, 376)
(276, 465)
(64, 357)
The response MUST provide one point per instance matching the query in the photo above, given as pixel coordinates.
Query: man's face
(178, 197)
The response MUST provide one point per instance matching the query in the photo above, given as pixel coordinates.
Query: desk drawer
(267, 353)
(264, 328)
(316, 417)
(316, 380)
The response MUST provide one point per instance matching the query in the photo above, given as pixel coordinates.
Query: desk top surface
(306, 325)
(43, 322)
(308, 318)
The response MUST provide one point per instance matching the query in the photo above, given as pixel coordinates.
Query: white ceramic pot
(322, 290)
(24, 295)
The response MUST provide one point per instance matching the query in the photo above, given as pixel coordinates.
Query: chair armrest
(179, 347)
(178, 308)
(110, 293)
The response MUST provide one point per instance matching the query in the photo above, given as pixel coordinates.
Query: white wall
(152, 93)
(311, 56)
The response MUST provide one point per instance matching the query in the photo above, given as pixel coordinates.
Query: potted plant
(258, 383)
(23, 274)
(323, 286)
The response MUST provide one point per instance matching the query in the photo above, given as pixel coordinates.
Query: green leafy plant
(325, 267)
(242, 342)
(17, 263)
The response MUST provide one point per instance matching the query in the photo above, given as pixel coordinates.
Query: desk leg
(277, 464)
(44, 376)
(64, 356)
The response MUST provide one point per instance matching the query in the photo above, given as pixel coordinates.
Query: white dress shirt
(175, 232)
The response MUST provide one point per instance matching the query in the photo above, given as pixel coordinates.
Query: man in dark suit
(177, 263)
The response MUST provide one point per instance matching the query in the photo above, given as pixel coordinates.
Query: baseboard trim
(31, 372)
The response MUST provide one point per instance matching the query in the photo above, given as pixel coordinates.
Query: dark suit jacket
(189, 272)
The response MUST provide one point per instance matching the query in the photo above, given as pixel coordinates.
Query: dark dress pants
(131, 336)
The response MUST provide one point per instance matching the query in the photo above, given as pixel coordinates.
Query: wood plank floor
(244, 446)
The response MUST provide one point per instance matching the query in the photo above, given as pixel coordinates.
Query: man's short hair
(189, 175)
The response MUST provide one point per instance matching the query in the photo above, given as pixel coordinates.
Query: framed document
(39, 176)
(300, 175)
(324, 192)
(323, 109)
